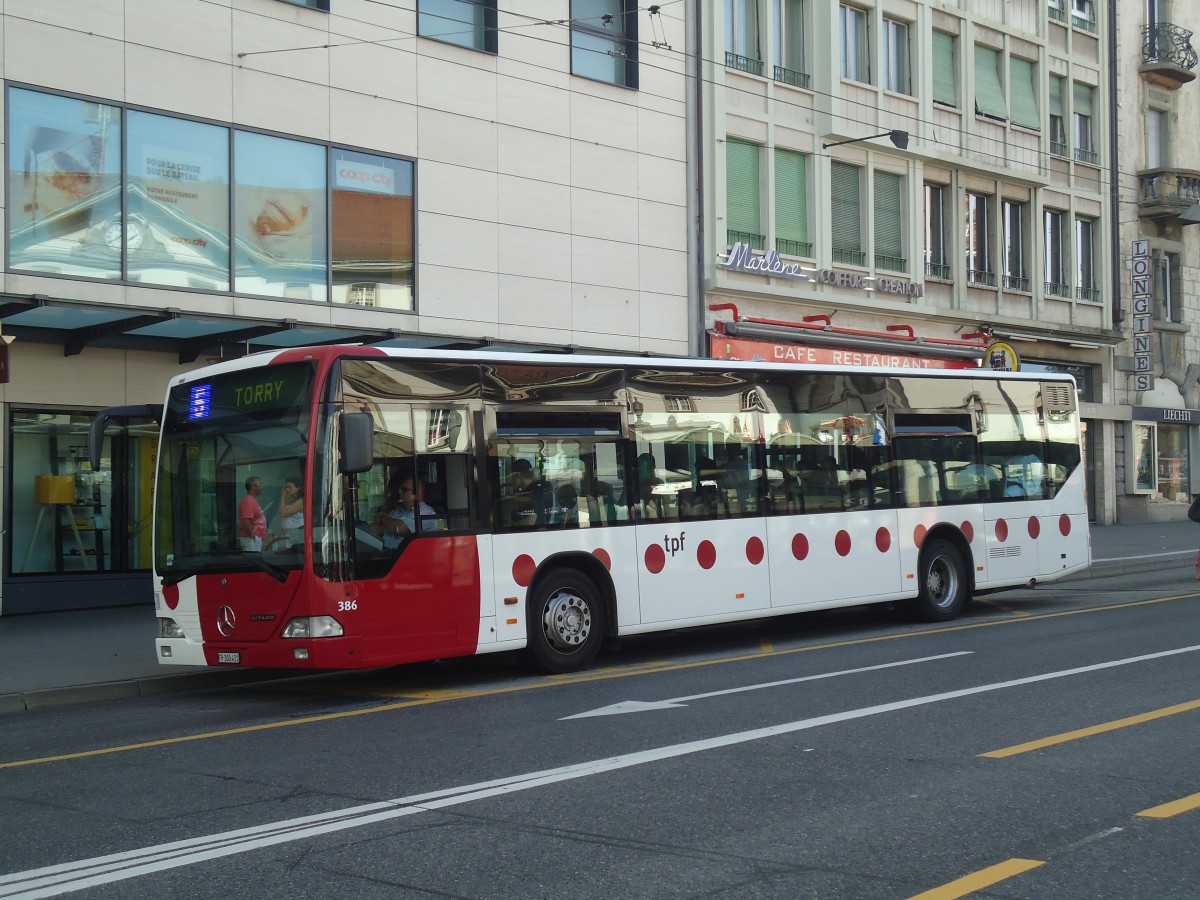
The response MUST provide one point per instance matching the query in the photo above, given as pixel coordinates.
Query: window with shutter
(945, 69)
(846, 232)
(791, 204)
(889, 222)
(935, 231)
(1058, 129)
(742, 198)
(1023, 84)
(989, 92)
(1081, 113)
(1156, 132)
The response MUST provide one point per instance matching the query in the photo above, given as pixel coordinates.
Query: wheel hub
(566, 620)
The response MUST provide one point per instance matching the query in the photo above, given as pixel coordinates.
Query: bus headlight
(313, 627)
(169, 628)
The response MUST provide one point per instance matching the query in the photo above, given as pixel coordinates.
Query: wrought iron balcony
(1167, 55)
(1170, 194)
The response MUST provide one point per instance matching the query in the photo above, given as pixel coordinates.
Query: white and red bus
(563, 499)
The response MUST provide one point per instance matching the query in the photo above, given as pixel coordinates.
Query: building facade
(916, 182)
(1158, 367)
(188, 181)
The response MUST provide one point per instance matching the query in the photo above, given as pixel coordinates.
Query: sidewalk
(71, 657)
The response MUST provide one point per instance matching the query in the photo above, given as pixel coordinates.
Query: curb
(150, 686)
(1133, 565)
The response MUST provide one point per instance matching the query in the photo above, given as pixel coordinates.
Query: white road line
(628, 706)
(52, 881)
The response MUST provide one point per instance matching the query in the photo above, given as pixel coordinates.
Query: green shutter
(989, 92)
(1023, 84)
(742, 212)
(1056, 95)
(1083, 100)
(844, 182)
(791, 197)
(889, 233)
(945, 72)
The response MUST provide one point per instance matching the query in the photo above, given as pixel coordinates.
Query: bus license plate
(229, 657)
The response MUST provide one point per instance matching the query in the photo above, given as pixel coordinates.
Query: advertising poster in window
(178, 204)
(64, 182)
(279, 217)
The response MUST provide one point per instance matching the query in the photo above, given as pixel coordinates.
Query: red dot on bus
(1035, 527)
(656, 558)
(1064, 524)
(171, 595)
(601, 554)
(919, 535)
(755, 551)
(523, 569)
(968, 531)
(800, 546)
(883, 540)
(706, 555)
(1001, 530)
(841, 543)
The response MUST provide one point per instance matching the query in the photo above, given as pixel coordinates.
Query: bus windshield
(231, 445)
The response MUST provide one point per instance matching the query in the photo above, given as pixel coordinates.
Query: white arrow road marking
(631, 706)
(51, 881)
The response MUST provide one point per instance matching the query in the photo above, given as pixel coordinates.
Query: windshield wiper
(177, 575)
(252, 557)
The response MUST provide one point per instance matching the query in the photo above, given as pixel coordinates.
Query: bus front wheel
(942, 590)
(566, 622)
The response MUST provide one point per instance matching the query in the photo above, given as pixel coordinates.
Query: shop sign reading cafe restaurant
(817, 340)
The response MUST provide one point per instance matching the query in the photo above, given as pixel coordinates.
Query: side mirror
(151, 411)
(356, 434)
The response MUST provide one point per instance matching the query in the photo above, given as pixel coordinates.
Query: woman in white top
(291, 514)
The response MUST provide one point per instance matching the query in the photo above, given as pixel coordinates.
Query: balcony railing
(1084, 155)
(891, 263)
(981, 277)
(1090, 294)
(792, 77)
(1016, 283)
(937, 270)
(1167, 55)
(849, 257)
(743, 63)
(793, 248)
(1059, 148)
(1057, 14)
(757, 241)
(1168, 193)
(1057, 289)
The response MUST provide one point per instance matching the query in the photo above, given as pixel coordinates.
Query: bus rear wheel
(942, 588)
(566, 622)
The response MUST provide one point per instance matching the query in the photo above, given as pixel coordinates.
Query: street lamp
(899, 138)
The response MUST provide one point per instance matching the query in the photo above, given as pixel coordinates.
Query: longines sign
(742, 258)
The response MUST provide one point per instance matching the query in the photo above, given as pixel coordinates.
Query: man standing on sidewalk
(252, 522)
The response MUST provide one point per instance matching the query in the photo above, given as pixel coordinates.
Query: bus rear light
(166, 652)
(169, 628)
(510, 601)
(313, 627)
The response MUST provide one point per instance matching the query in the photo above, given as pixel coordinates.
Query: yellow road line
(1000, 606)
(1066, 736)
(977, 881)
(441, 696)
(1174, 808)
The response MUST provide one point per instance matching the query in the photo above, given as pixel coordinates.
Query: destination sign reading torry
(274, 391)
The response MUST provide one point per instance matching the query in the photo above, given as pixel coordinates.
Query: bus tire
(566, 622)
(942, 589)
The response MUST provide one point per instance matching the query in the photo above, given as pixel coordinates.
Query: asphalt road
(852, 755)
